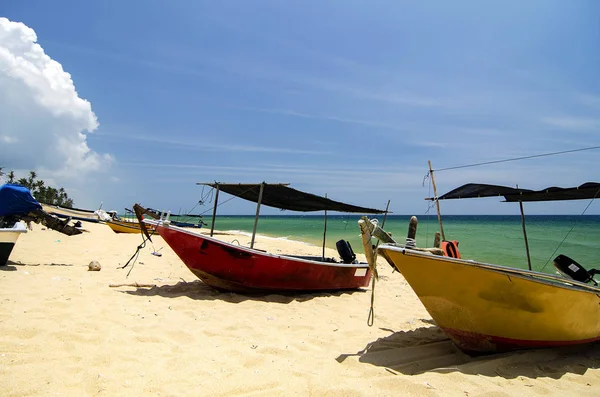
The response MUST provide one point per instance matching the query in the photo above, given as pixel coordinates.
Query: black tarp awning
(286, 198)
(589, 190)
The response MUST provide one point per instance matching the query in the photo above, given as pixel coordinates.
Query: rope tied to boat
(135, 255)
(371, 317)
(570, 230)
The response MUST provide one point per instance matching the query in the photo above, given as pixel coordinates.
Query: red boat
(245, 269)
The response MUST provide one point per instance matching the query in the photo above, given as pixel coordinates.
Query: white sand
(64, 331)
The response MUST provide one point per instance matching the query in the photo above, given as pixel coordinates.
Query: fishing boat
(120, 225)
(8, 239)
(128, 223)
(18, 204)
(72, 213)
(188, 224)
(183, 220)
(488, 308)
(238, 268)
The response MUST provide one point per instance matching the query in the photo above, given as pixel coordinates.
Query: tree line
(41, 192)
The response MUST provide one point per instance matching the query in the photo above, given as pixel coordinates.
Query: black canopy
(589, 190)
(284, 197)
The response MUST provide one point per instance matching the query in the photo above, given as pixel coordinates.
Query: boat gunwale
(157, 223)
(18, 227)
(58, 207)
(532, 275)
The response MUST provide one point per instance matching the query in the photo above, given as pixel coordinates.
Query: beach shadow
(199, 291)
(428, 349)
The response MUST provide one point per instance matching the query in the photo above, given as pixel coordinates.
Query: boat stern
(8, 238)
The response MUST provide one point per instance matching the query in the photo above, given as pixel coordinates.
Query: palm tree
(39, 191)
(51, 196)
(11, 176)
(62, 196)
(32, 176)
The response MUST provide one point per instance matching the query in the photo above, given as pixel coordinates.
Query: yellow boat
(487, 308)
(126, 226)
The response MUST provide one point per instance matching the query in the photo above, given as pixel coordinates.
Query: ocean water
(496, 239)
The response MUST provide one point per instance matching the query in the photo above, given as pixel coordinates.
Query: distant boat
(233, 267)
(183, 220)
(72, 213)
(188, 224)
(8, 238)
(124, 225)
(486, 308)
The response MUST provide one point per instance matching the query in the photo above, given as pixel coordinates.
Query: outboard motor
(569, 268)
(345, 251)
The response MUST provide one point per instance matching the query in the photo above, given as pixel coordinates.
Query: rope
(371, 317)
(135, 256)
(517, 158)
(410, 243)
(569, 232)
(210, 194)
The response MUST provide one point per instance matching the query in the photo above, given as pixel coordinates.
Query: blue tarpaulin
(16, 200)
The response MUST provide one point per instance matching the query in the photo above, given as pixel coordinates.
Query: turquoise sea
(496, 239)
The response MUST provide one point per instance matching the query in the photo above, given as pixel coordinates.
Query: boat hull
(75, 214)
(125, 226)
(235, 268)
(8, 238)
(487, 308)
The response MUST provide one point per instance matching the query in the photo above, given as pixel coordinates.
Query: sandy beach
(66, 332)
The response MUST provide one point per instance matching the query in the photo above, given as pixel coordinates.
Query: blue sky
(345, 98)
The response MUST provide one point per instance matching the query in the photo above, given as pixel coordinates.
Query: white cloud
(573, 123)
(43, 121)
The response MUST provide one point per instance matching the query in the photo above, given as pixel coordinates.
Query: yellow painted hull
(126, 226)
(487, 308)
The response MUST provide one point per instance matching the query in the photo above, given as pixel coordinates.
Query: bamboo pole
(324, 233)
(260, 194)
(387, 207)
(525, 234)
(437, 203)
(384, 218)
(214, 215)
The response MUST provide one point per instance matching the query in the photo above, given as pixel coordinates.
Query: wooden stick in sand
(131, 285)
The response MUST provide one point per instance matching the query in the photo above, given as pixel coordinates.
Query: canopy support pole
(525, 234)
(260, 194)
(324, 233)
(437, 202)
(214, 215)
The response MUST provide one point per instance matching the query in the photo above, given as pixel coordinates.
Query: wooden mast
(384, 218)
(524, 233)
(212, 226)
(324, 233)
(437, 203)
(260, 194)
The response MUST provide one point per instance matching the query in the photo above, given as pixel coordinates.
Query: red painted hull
(236, 268)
